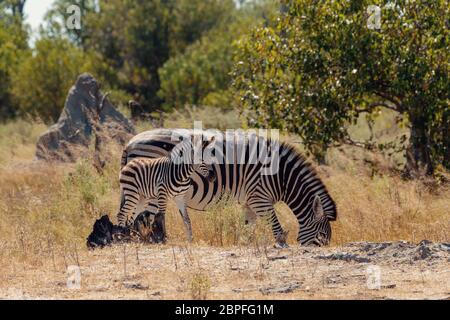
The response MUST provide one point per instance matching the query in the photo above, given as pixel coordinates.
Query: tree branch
(390, 98)
(373, 105)
(360, 144)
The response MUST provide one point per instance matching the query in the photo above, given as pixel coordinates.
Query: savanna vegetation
(369, 106)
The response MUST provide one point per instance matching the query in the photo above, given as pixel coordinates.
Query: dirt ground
(389, 270)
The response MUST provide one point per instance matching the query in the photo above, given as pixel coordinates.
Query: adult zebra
(294, 181)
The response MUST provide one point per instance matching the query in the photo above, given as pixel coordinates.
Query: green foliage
(203, 69)
(136, 38)
(43, 79)
(211, 118)
(191, 19)
(321, 66)
(201, 75)
(13, 8)
(57, 15)
(86, 184)
(128, 46)
(13, 47)
(18, 140)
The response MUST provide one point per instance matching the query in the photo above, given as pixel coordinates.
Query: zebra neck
(299, 182)
(182, 171)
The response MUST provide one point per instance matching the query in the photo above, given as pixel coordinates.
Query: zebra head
(204, 169)
(317, 229)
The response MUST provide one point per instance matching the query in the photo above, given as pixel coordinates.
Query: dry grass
(47, 211)
(18, 140)
(199, 272)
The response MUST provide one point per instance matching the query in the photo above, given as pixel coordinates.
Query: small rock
(281, 289)
(230, 254)
(376, 246)
(277, 258)
(425, 242)
(137, 286)
(444, 246)
(345, 257)
(235, 268)
(422, 252)
(240, 290)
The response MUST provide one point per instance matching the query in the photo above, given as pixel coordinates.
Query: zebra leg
(162, 205)
(152, 206)
(264, 208)
(181, 205)
(127, 208)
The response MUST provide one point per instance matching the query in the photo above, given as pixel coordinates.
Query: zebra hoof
(281, 245)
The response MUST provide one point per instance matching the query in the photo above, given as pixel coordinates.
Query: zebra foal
(145, 179)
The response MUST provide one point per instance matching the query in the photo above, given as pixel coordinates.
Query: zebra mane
(288, 150)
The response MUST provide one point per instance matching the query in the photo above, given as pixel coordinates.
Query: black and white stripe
(143, 179)
(294, 183)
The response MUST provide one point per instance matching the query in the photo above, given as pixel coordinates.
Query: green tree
(191, 19)
(204, 68)
(57, 17)
(43, 79)
(13, 47)
(137, 37)
(322, 65)
(201, 74)
(15, 7)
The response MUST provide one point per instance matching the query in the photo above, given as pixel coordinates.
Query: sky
(35, 11)
(34, 15)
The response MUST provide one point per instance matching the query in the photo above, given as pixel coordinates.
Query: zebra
(160, 179)
(295, 183)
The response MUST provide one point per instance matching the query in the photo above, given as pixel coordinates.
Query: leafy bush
(13, 47)
(203, 69)
(201, 75)
(321, 65)
(42, 81)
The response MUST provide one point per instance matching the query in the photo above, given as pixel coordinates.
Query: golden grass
(48, 210)
(211, 118)
(18, 139)
(388, 208)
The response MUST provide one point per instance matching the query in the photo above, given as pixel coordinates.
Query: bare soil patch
(130, 271)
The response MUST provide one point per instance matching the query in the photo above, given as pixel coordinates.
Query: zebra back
(295, 183)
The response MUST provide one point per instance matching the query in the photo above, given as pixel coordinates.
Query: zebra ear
(317, 207)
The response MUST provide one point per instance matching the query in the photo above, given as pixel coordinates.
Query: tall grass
(18, 139)
(48, 209)
(211, 118)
